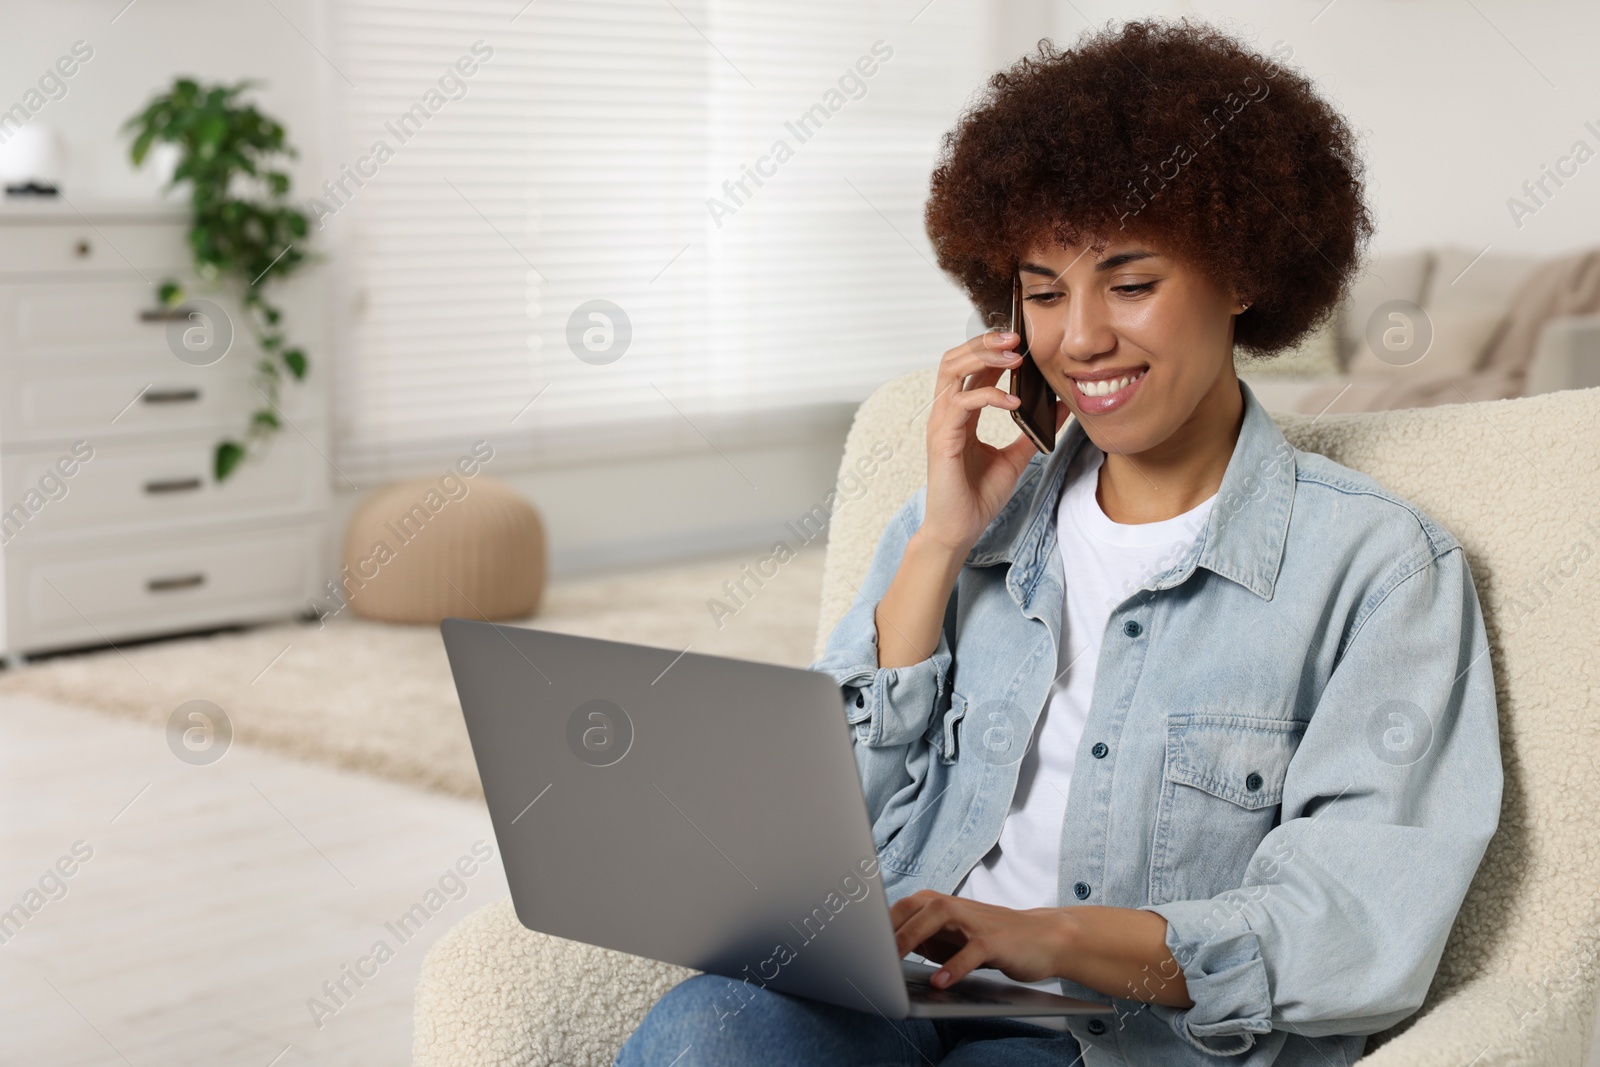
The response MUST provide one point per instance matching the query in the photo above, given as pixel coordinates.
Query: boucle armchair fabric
(495, 994)
(1516, 481)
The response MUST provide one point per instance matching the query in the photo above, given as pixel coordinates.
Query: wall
(147, 45)
(1458, 105)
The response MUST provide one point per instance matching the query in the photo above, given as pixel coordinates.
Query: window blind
(733, 188)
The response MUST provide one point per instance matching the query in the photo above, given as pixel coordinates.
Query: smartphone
(1037, 412)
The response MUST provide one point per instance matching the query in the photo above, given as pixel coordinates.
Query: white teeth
(1107, 386)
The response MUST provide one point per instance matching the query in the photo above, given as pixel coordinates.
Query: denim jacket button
(1081, 890)
(1097, 1026)
(1099, 750)
(1132, 628)
(1252, 781)
(861, 701)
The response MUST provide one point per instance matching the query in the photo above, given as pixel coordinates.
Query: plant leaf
(141, 145)
(229, 453)
(243, 229)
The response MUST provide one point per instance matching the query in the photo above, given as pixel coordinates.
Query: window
(741, 181)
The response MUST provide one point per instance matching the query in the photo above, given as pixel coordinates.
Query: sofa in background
(1503, 326)
(1517, 482)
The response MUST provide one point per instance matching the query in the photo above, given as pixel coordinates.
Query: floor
(207, 905)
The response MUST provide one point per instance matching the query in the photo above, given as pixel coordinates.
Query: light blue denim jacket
(1292, 751)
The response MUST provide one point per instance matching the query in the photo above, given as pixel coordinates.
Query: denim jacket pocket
(942, 732)
(1220, 795)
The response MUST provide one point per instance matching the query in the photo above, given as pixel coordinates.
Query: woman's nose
(1086, 330)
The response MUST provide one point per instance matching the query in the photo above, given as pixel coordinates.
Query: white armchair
(1518, 483)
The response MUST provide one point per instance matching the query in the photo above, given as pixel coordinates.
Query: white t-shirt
(1104, 563)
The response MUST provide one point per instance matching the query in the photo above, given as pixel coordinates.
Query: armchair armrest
(1500, 1021)
(495, 994)
(1566, 356)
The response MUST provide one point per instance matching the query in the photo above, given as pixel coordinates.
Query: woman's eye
(1142, 287)
(1043, 298)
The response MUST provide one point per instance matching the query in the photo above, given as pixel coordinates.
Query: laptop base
(977, 997)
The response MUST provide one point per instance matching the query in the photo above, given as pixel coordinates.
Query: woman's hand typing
(1120, 952)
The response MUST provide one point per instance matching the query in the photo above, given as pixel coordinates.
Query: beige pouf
(420, 551)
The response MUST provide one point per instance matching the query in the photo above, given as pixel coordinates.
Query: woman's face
(1128, 311)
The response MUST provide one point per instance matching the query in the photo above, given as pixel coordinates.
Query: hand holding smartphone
(1036, 413)
(969, 481)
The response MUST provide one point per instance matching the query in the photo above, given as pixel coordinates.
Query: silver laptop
(698, 810)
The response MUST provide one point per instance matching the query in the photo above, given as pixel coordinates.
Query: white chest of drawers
(112, 526)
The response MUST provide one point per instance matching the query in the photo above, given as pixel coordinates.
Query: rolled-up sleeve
(889, 707)
(1388, 806)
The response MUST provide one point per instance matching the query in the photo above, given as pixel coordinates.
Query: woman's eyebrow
(1110, 263)
(1120, 258)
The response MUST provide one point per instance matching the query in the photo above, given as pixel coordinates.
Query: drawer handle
(182, 581)
(173, 485)
(164, 314)
(170, 396)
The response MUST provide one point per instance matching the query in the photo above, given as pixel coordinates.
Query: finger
(974, 954)
(960, 412)
(940, 947)
(980, 377)
(976, 354)
(995, 346)
(999, 338)
(976, 376)
(905, 907)
(960, 372)
(965, 360)
(984, 396)
(925, 924)
(914, 929)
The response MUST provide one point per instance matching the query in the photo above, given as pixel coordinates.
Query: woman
(1176, 718)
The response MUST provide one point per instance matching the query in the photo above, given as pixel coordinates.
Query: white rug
(378, 698)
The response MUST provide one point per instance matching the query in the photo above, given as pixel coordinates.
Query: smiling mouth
(1107, 386)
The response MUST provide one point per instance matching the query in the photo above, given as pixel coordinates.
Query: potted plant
(244, 233)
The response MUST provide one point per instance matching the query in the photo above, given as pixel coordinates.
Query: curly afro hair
(1172, 131)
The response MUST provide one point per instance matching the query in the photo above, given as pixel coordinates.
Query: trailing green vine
(244, 232)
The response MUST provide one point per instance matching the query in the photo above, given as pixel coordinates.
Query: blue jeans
(700, 1023)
